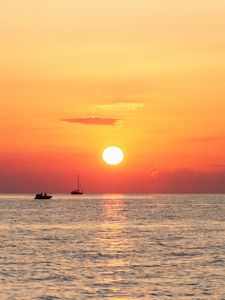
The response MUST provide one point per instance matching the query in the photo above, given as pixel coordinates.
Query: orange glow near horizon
(147, 76)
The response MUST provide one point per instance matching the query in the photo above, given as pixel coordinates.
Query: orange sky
(145, 75)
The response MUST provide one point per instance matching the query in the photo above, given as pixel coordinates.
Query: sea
(112, 246)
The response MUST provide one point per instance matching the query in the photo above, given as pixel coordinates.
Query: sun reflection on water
(114, 245)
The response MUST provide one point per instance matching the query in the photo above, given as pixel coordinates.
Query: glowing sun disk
(113, 155)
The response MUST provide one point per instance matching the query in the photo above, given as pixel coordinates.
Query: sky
(79, 75)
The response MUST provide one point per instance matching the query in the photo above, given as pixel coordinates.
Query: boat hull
(76, 193)
(42, 197)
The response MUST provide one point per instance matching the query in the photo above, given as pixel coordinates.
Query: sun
(113, 155)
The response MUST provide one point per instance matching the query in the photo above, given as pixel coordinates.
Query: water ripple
(121, 247)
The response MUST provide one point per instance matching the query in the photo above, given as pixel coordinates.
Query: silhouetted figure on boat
(41, 196)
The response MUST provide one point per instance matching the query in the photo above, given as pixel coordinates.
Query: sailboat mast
(78, 187)
(78, 182)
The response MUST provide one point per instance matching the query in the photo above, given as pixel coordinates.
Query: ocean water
(121, 247)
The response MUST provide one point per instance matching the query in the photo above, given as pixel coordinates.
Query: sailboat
(78, 190)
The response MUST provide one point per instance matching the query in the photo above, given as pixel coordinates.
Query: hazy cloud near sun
(127, 106)
(94, 121)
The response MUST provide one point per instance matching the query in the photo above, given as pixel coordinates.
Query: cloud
(188, 181)
(217, 166)
(94, 121)
(127, 106)
(206, 139)
(154, 174)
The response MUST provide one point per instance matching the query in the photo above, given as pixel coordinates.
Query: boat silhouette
(42, 196)
(78, 189)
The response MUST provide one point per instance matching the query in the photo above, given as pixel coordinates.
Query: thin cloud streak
(206, 139)
(94, 121)
(119, 106)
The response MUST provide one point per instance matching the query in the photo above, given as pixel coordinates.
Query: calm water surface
(112, 247)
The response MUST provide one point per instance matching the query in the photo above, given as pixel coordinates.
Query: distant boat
(42, 196)
(78, 190)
